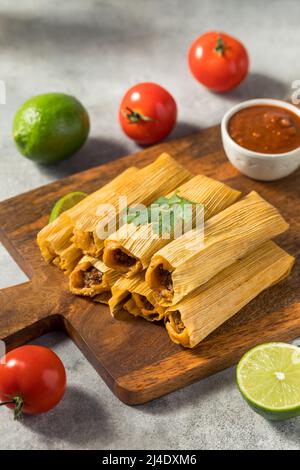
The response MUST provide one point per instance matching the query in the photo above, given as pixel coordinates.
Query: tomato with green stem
(32, 380)
(218, 61)
(147, 113)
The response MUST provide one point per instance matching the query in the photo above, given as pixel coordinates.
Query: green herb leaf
(164, 213)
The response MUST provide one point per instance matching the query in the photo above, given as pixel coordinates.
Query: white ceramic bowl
(256, 165)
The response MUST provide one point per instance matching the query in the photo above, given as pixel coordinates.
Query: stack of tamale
(193, 282)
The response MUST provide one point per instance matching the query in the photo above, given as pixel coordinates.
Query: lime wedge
(268, 377)
(66, 202)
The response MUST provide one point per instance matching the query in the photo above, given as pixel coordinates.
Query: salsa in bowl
(261, 138)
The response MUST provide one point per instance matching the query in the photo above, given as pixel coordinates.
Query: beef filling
(178, 322)
(91, 277)
(123, 258)
(165, 278)
(146, 303)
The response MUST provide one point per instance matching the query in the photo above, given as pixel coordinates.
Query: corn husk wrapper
(55, 239)
(66, 259)
(190, 262)
(135, 296)
(161, 176)
(77, 279)
(202, 311)
(141, 242)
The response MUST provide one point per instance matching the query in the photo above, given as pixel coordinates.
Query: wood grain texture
(135, 358)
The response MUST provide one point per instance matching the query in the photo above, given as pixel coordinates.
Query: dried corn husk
(161, 176)
(134, 295)
(202, 311)
(67, 258)
(188, 262)
(55, 239)
(137, 244)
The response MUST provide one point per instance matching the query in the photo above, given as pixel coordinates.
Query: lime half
(268, 377)
(66, 202)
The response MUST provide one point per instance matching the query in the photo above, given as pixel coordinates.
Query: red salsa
(265, 129)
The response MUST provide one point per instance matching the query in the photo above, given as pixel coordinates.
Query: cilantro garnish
(165, 214)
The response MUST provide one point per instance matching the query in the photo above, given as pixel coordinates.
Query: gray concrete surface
(96, 50)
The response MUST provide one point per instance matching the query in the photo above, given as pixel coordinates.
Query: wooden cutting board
(136, 358)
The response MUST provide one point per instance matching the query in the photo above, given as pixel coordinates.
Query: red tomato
(218, 61)
(32, 379)
(147, 113)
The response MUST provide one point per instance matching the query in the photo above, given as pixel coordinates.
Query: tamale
(131, 307)
(129, 250)
(135, 296)
(55, 238)
(67, 258)
(161, 176)
(206, 308)
(91, 277)
(189, 261)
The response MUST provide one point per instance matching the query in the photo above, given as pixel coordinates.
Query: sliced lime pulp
(66, 202)
(268, 377)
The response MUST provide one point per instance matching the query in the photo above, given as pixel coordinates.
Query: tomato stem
(134, 117)
(18, 410)
(220, 46)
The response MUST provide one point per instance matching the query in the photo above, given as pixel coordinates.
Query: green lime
(66, 202)
(268, 377)
(50, 127)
